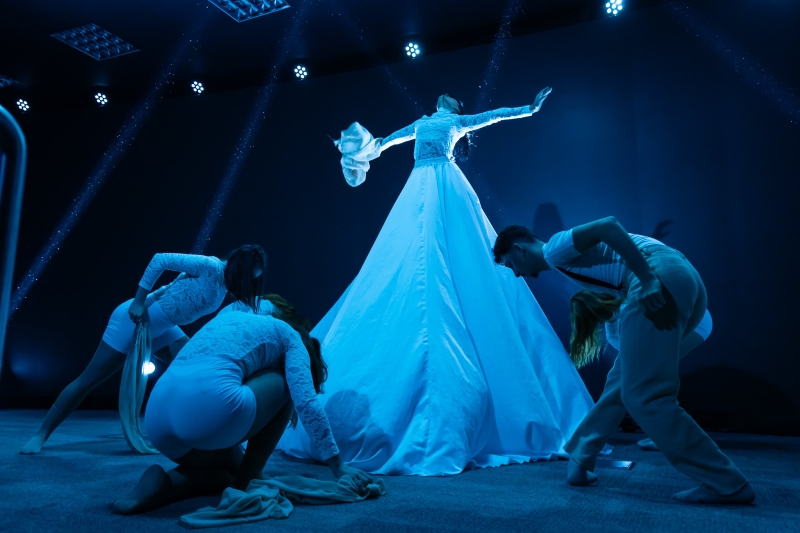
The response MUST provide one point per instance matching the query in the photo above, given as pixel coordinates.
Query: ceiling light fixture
(243, 10)
(613, 7)
(95, 42)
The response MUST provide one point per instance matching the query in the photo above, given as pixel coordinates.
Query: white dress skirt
(439, 359)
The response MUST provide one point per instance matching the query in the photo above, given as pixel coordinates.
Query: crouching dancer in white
(238, 379)
(198, 291)
(667, 301)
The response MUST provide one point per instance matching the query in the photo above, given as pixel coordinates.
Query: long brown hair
(302, 325)
(588, 309)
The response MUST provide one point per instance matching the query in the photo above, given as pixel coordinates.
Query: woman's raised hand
(537, 104)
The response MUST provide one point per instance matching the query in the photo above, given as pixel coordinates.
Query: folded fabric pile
(272, 498)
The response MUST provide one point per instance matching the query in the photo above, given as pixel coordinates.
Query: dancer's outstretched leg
(105, 362)
(593, 432)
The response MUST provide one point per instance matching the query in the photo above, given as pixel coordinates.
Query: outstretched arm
(611, 232)
(481, 120)
(398, 137)
(309, 409)
(188, 264)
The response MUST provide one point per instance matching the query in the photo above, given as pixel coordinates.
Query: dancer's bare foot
(705, 494)
(577, 475)
(148, 493)
(34, 445)
(648, 445)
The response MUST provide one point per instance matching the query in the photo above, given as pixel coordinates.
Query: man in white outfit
(667, 299)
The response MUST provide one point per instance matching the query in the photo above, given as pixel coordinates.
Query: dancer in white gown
(440, 361)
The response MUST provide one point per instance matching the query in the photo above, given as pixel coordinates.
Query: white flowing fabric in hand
(358, 147)
(438, 359)
(132, 389)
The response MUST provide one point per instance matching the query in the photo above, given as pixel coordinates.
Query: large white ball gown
(439, 359)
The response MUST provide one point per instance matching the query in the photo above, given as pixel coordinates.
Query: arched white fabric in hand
(358, 147)
(132, 387)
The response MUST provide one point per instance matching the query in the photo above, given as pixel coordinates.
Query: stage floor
(86, 465)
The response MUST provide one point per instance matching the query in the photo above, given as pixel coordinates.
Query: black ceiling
(327, 36)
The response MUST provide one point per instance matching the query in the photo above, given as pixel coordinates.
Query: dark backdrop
(651, 119)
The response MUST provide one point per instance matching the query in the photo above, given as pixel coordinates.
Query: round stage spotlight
(613, 7)
(198, 87)
(22, 105)
(412, 50)
(148, 368)
(300, 71)
(101, 99)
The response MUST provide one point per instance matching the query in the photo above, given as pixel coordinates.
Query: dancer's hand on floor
(359, 476)
(136, 311)
(537, 104)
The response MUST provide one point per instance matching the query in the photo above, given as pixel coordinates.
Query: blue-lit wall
(646, 122)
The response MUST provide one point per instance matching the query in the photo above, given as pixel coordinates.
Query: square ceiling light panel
(96, 42)
(242, 10)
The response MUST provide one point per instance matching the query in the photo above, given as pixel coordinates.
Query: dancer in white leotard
(238, 379)
(198, 291)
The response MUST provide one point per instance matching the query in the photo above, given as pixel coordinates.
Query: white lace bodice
(198, 291)
(436, 135)
(246, 343)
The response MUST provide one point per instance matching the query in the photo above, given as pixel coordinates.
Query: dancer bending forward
(667, 300)
(238, 379)
(440, 361)
(198, 291)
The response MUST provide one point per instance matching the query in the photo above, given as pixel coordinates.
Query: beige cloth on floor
(132, 387)
(272, 498)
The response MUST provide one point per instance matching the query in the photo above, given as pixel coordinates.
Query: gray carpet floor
(86, 465)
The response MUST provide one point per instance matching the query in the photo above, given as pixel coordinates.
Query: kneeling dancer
(667, 301)
(238, 379)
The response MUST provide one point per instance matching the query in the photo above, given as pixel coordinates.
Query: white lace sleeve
(192, 265)
(301, 387)
(481, 120)
(400, 136)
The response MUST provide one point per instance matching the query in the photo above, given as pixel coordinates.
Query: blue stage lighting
(148, 368)
(300, 71)
(251, 129)
(613, 7)
(101, 99)
(242, 10)
(5, 81)
(198, 87)
(22, 105)
(412, 50)
(95, 42)
(108, 162)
